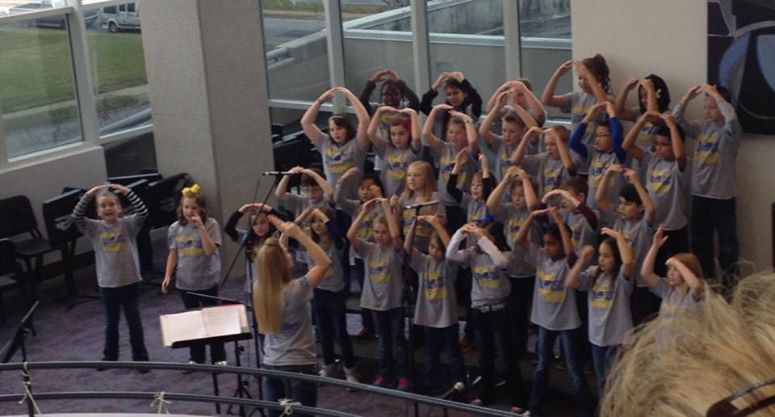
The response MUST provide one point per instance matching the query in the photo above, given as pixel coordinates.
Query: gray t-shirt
(294, 343)
(337, 159)
(715, 153)
(609, 306)
(445, 155)
(512, 219)
(436, 296)
(597, 167)
(667, 185)
(195, 269)
(554, 305)
(673, 302)
(383, 282)
(115, 245)
(638, 236)
(581, 232)
(423, 231)
(334, 279)
(490, 285)
(395, 163)
(551, 173)
(578, 103)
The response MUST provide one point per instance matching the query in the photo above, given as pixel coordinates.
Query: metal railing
(416, 399)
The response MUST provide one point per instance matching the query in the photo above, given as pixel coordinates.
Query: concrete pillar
(205, 65)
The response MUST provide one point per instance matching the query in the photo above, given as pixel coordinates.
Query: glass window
(468, 37)
(109, 10)
(376, 37)
(296, 50)
(118, 71)
(130, 156)
(37, 99)
(130, 8)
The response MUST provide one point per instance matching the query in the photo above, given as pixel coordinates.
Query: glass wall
(118, 67)
(37, 99)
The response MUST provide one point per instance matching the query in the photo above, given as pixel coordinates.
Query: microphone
(418, 205)
(458, 387)
(267, 173)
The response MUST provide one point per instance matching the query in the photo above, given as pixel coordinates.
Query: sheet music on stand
(221, 323)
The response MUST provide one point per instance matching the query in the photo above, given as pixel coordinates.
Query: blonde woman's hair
(681, 366)
(430, 180)
(272, 266)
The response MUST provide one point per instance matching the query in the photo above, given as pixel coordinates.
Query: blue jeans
(390, 330)
(602, 356)
(436, 339)
(569, 340)
(304, 392)
(114, 299)
(329, 310)
(197, 350)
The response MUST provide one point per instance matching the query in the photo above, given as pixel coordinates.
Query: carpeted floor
(77, 334)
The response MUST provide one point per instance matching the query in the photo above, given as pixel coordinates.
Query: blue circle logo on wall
(741, 57)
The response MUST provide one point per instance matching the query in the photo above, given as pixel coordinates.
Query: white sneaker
(221, 363)
(328, 371)
(350, 374)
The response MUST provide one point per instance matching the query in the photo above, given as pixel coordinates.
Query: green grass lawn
(36, 68)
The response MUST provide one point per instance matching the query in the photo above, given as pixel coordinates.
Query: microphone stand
(247, 249)
(409, 296)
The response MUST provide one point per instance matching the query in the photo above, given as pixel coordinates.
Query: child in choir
(521, 94)
(419, 189)
(684, 287)
(520, 271)
(369, 187)
(606, 151)
(635, 217)
(329, 297)
(399, 150)
(461, 130)
(113, 239)
(436, 306)
(475, 202)
(554, 309)
(193, 258)
(514, 124)
(489, 302)
(394, 92)
(594, 82)
(582, 220)
(344, 146)
(461, 97)
(653, 95)
(382, 290)
(609, 285)
(666, 181)
(315, 191)
(260, 230)
(714, 188)
(553, 167)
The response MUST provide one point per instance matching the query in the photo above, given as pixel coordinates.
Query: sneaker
(466, 345)
(221, 363)
(328, 371)
(379, 381)
(190, 371)
(350, 374)
(365, 333)
(404, 384)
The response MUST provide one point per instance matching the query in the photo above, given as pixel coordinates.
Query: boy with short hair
(714, 187)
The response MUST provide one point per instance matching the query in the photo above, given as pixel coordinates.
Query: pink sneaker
(404, 384)
(379, 381)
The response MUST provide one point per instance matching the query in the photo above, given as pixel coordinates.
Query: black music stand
(62, 233)
(17, 343)
(244, 334)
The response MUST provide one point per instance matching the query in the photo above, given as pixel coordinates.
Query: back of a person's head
(272, 265)
(682, 365)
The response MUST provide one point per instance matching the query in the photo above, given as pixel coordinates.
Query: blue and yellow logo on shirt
(112, 241)
(188, 245)
(434, 286)
(550, 289)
